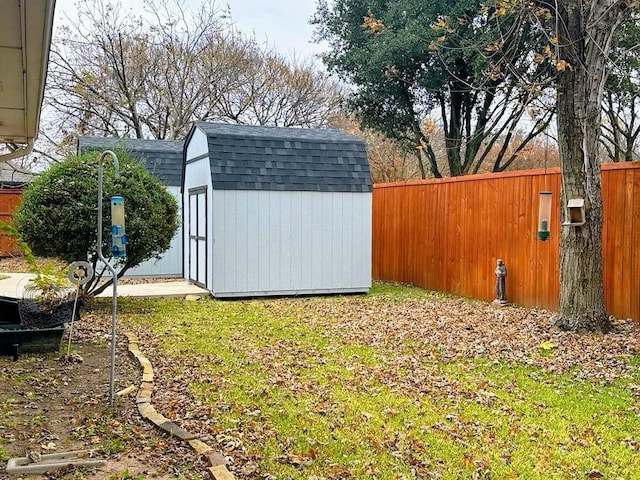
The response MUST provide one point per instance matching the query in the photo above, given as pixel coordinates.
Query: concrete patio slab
(13, 287)
(157, 290)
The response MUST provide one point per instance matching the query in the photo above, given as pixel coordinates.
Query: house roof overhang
(25, 39)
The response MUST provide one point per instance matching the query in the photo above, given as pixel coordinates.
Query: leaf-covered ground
(397, 384)
(49, 404)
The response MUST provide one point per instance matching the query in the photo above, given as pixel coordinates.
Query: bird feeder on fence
(575, 212)
(544, 215)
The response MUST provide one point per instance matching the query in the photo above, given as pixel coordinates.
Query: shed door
(198, 260)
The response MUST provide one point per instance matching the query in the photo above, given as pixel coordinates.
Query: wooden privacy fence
(9, 200)
(446, 235)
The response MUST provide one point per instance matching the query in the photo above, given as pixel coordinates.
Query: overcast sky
(284, 24)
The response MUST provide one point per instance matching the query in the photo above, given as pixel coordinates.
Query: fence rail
(446, 235)
(9, 200)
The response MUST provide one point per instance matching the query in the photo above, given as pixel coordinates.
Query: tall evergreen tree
(413, 63)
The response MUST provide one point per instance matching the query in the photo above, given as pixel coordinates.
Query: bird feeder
(544, 215)
(575, 212)
(118, 236)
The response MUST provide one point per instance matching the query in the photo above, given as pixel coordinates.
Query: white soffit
(25, 39)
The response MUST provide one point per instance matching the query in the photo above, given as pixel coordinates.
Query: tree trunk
(584, 39)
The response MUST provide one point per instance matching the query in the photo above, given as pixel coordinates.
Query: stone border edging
(217, 467)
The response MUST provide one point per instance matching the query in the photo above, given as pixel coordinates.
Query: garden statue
(501, 274)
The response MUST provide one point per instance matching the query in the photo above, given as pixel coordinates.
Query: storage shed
(276, 211)
(164, 159)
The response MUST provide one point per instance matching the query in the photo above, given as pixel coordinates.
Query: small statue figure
(501, 289)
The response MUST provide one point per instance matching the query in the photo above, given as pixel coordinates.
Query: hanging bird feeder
(544, 215)
(118, 236)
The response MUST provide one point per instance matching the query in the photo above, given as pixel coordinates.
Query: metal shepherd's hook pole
(114, 300)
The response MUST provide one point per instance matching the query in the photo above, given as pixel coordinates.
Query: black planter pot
(42, 332)
(15, 340)
(9, 312)
(36, 314)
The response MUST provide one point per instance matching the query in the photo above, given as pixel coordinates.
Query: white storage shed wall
(164, 159)
(272, 228)
(283, 243)
(170, 264)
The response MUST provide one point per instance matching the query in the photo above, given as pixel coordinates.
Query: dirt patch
(50, 404)
(19, 265)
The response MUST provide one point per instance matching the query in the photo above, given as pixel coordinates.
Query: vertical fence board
(9, 201)
(446, 235)
(628, 246)
(617, 218)
(608, 236)
(634, 292)
(553, 253)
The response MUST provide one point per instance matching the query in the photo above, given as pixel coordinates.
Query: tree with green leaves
(58, 215)
(414, 63)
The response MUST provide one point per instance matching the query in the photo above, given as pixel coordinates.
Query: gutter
(46, 48)
(20, 152)
(25, 90)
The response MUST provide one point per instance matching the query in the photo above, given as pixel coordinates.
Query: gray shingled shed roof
(14, 177)
(288, 159)
(163, 158)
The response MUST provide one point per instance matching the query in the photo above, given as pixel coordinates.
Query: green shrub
(58, 215)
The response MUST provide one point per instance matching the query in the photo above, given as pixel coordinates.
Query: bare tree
(389, 160)
(621, 125)
(150, 76)
(579, 39)
(111, 74)
(270, 89)
(584, 33)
